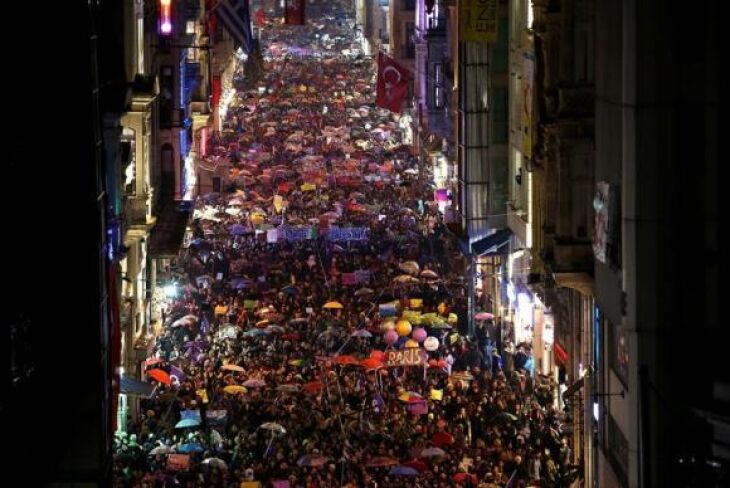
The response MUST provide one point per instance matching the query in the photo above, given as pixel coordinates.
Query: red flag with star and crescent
(392, 85)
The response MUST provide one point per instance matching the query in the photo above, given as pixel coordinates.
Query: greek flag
(236, 17)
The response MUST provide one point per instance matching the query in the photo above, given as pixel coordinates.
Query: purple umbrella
(403, 471)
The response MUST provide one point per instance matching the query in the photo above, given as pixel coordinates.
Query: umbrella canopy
(432, 452)
(346, 359)
(364, 292)
(291, 290)
(371, 363)
(484, 316)
(288, 388)
(161, 450)
(442, 439)
(233, 367)
(273, 427)
(312, 461)
(159, 375)
(332, 305)
(406, 279)
(410, 267)
(313, 387)
(403, 470)
(187, 423)
(152, 361)
(274, 329)
(507, 416)
(254, 383)
(429, 274)
(361, 333)
(216, 463)
(190, 447)
(254, 332)
(235, 389)
(416, 464)
(410, 397)
(382, 461)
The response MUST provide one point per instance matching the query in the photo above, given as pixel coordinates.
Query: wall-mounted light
(165, 17)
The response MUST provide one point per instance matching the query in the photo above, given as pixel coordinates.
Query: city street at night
(364, 244)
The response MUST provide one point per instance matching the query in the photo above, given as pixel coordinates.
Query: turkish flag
(392, 85)
(260, 17)
(295, 12)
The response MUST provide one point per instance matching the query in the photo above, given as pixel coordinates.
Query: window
(438, 82)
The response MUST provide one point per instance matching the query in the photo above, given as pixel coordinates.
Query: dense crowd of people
(327, 251)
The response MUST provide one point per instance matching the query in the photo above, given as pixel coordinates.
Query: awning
(236, 17)
(582, 282)
(573, 389)
(167, 235)
(492, 244)
(132, 386)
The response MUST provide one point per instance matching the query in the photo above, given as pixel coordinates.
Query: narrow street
(313, 336)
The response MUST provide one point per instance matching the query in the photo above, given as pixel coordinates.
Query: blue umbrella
(238, 230)
(290, 290)
(403, 471)
(254, 332)
(190, 447)
(239, 283)
(186, 423)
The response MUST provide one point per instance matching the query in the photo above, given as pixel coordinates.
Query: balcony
(576, 100)
(571, 256)
(135, 211)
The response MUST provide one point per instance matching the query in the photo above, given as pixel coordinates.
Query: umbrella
(254, 383)
(290, 290)
(288, 388)
(216, 463)
(187, 423)
(507, 416)
(371, 363)
(361, 333)
(190, 447)
(163, 449)
(239, 283)
(299, 320)
(406, 279)
(262, 323)
(419, 466)
(461, 477)
(254, 332)
(403, 471)
(233, 367)
(427, 273)
(432, 452)
(273, 427)
(182, 322)
(411, 171)
(235, 389)
(332, 305)
(409, 267)
(442, 439)
(410, 397)
(364, 292)
(346, 359)
(484, 316)
(382, 461)
(313, 387)
(152, 361)
(160, 375)
(312, 461)
(274, 329)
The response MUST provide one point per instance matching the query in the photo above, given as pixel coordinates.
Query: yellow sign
(308, 187)
(478, 20)
(437, 395)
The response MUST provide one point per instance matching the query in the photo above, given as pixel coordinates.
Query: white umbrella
(273, 427)
(216, 462)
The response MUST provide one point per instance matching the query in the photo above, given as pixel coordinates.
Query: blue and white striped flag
(236, 16)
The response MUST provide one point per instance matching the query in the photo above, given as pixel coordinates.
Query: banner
(340, 234)
(297, 234)
(528, 74)
(600, 224)
(178, 462)
(392, 84)
(414, 356)
(478, 19)
(294, 12)
(260, 17)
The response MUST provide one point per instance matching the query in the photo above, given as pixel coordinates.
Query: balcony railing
(135, 211)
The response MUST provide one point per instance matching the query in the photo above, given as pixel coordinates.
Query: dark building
(55, 391)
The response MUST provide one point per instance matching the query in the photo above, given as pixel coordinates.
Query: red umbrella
(371, 363)
(313, 387)
(152, 361)
(346, 359)
(442, 439)
(461, 477)
(159, 375)
(376, 354)
(420, 466)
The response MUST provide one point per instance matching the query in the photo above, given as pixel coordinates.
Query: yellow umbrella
(332, 305)
(234, 389)
(233, 367)
(403, 328)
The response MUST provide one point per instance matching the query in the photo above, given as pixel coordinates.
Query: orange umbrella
(332, 305)
(346, 359)
(233, 367)
(377, 354)
(160, 375)
(371, 363)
